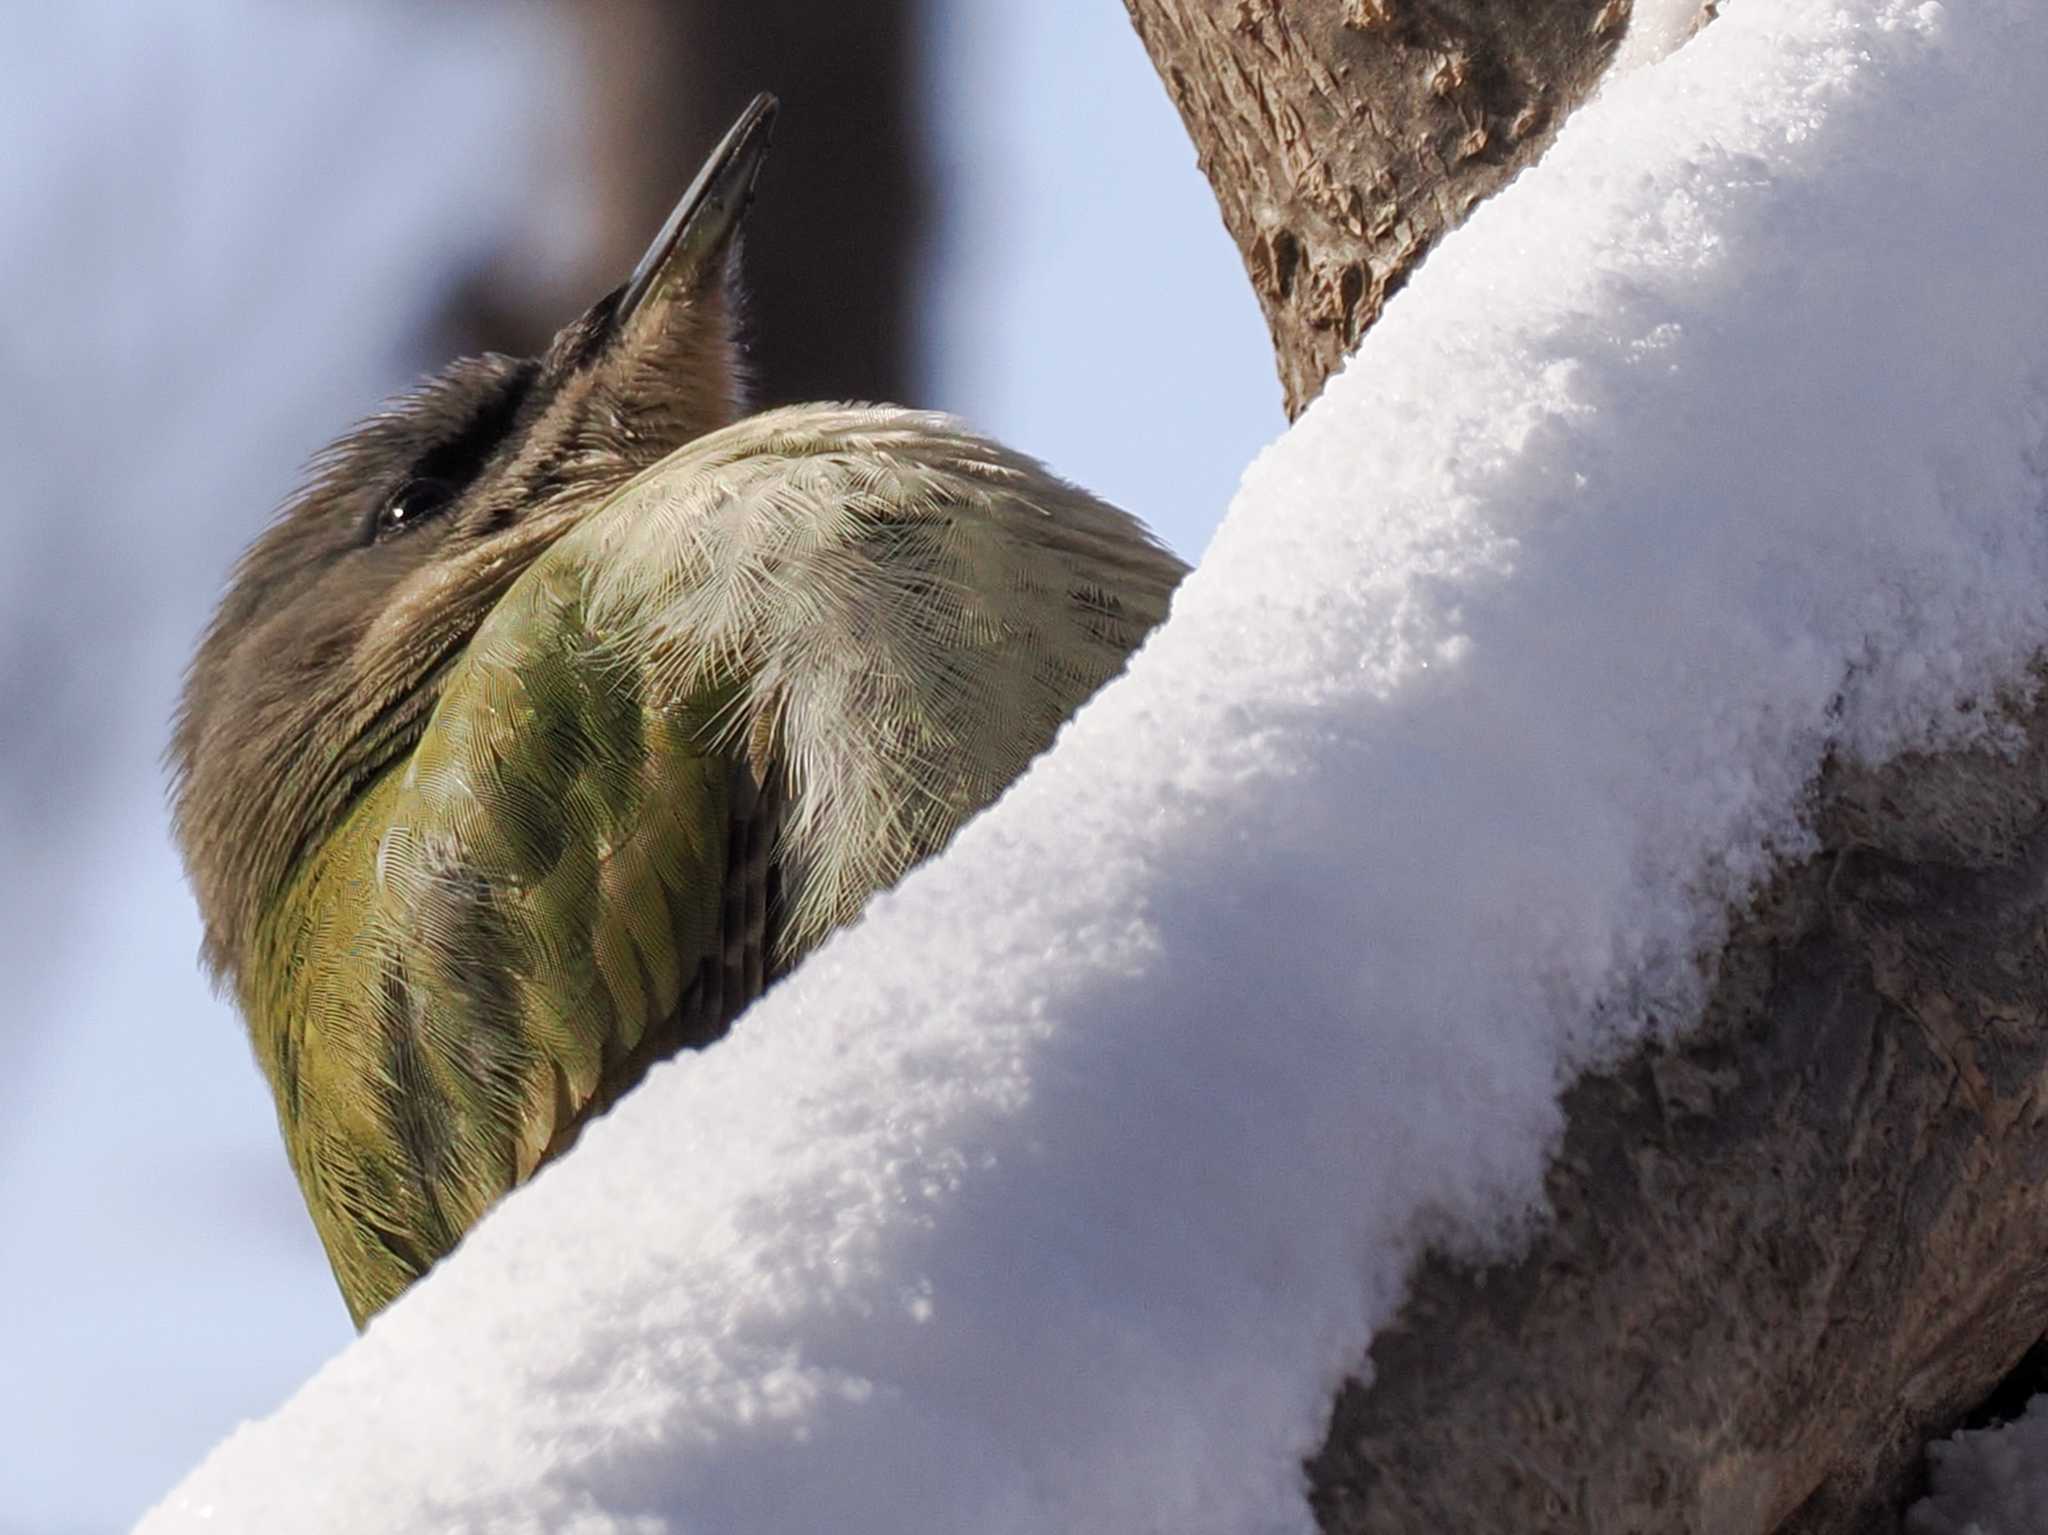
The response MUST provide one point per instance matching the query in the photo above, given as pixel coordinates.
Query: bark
(1794, 1245)
(1789, 1249)
(1344, 137)
(832, 242)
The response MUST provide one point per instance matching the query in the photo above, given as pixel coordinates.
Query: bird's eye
(415, 502)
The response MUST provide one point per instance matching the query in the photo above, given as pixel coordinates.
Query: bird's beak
(693, 242)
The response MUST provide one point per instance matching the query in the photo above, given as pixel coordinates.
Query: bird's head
(327, 653)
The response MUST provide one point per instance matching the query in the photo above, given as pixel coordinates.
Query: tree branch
(1794, 1246)
(1788, 1250)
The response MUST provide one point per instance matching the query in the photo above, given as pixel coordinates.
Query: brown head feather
(323, 661)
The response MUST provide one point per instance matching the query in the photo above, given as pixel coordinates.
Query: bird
(567, 705)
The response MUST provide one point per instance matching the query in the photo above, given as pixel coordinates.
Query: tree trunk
(1344, 137)
(1793, 1247)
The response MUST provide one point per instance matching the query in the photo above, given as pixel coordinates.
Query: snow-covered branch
(1063, 1192)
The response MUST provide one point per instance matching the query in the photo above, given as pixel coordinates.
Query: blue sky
(223, 221)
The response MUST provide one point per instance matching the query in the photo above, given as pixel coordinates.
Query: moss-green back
(500, 917)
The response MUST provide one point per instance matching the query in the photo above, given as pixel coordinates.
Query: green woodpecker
(563, 710)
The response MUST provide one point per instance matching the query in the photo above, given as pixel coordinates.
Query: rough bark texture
(1813, 1234)
(1343, 137)
(832, 242)
(1788, 1250)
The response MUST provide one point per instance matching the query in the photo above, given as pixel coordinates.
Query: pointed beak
(693, 242)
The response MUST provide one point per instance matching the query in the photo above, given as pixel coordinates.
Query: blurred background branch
(835, 242)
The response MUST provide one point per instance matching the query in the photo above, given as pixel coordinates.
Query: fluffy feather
(906, 613)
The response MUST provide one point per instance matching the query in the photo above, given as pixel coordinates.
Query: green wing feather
(748, 691)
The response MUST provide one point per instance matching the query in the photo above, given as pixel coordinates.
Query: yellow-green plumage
(711, 718)
(563, 710)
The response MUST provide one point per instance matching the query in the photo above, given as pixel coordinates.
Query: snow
(1060, 1193)
(1656, 28)
(1993, 1481)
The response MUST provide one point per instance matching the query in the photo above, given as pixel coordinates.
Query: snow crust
(1991, 1481)
(1060, 1194)
(1656, 29)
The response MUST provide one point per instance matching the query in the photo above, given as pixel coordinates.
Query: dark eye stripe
(456, 460)
(438, 476)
